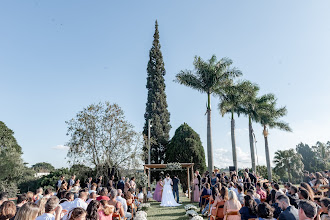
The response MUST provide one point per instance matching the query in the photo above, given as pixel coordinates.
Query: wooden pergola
(188, 166)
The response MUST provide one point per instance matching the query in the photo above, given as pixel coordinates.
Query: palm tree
(208, 77)
(288, 161)
(231, 100)
(269, 118)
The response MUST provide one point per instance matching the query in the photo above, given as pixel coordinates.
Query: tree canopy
(43, 167)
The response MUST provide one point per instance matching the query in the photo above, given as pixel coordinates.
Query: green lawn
(157, 212)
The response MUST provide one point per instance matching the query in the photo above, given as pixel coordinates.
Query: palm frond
(188, 79)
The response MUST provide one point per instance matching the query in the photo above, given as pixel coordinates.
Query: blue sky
(56, 57)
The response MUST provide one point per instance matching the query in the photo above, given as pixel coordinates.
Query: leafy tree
(100, 136)
(209, 77)
(186, 147)
(43, 167)
(269, 117)
(288, 162)
(231, 101)
(156, 106)
(12, 169)
(322, 153)
(309, 159)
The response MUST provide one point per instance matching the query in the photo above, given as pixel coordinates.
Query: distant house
(38, 175)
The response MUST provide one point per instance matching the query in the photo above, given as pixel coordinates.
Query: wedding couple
(167, 195)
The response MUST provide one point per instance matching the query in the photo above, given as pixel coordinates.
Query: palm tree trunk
(269, 168)
(253, 159)
(209, 135)
(233, 141)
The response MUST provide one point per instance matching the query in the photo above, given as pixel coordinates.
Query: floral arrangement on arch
(173, 166)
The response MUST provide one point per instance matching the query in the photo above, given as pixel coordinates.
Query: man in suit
(199, 179)
(121, 184)
(175, 185)
(290, 212)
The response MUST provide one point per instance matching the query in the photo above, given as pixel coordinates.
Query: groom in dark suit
(175, 185)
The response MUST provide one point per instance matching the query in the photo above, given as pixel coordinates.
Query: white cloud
(60, 147)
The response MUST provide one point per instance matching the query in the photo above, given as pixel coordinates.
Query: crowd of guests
(246, 197)
(70, 201)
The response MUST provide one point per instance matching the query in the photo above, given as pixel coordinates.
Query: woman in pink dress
(196, 189)
(158, 191)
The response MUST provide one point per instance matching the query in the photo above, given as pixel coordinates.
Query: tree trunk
(269, 168)
(233, 142)
(253, 159)
(209, 135)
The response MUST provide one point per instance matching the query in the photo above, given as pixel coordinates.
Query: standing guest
(323, 211)
(30, 196)
(307, 210)
(112, 183)
(67, 205)
(59, 182)
(303, 194)
(133, 184)
(287, 186)
(77, 214)
(72, 180)
(29, 211)
(141, 195)
(199, 179)
(7, 210)
(93, 189)
(21, 200)
(3, 197)
(99, 180)
(265, 212)
(118, 207)
(196, 188)
(89, 183)
(249, 210)
(251, 193)
(252, 177)
(240, 195)
(121, 184)
(103, 195)
(158, 190)
(92, 210)
(306, 179)
(289, 212)
(51, 204)
(149, 194)
(293, 196)
(80, 201)
(261, 193)
(127, 185)
(246, 181)
(75, 190)
(309, 189)
(214, 181)
(232, 205)
(176, 182)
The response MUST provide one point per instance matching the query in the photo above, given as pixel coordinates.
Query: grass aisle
(157, 212)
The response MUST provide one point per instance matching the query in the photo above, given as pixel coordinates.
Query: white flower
(197, 218)
(191, 213)
(190, 207)
(141, 215)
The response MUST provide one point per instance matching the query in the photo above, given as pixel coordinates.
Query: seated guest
(289, 212)
(307, 210)
(117, 205)
(21, 200)
(77, 214)
(240, 195)
(93, 189)
(303, 194)
(323, 211)
(260, 192)
(30, 196)
(29, 211)
(103, 195)
(232, 205)
(123, 202)
(250, 192)
(219, 202)
(92, 196)
(106, 211)
(67, 205)
(80, 201)
(204, 192)
(51, 204)
(293, 196)
(93, 209)
(38, 194)
(42, 204)
(249, 210)
(7, 210)
(265, 212)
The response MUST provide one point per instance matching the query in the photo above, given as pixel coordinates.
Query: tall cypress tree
(156, 107)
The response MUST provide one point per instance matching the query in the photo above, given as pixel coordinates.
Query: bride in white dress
(167, 197)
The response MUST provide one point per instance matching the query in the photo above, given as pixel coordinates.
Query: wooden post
(188, 178)
(193, 185)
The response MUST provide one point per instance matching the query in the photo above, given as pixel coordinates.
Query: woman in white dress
(167, 197)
